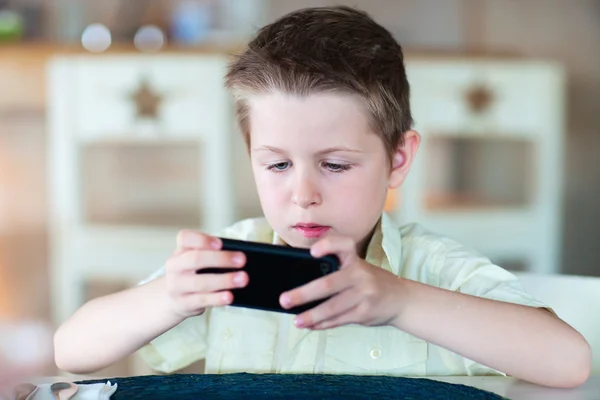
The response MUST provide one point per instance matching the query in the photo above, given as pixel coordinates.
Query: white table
(515, 389)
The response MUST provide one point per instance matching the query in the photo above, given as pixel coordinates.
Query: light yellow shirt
(235, 339)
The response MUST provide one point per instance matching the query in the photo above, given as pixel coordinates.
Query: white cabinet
(139, 148)
(191, 87)
(489, 170)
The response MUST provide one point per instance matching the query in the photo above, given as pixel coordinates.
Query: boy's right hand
(190, 293)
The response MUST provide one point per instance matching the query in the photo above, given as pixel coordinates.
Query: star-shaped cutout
(479, 98)
(147, 101)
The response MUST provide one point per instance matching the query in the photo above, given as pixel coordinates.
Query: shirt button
(227, 334)
(375, 353)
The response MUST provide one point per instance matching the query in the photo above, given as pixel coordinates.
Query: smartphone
(272, 270)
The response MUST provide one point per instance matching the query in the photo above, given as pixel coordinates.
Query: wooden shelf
(31, 51)
(124, 139)
(466, 202)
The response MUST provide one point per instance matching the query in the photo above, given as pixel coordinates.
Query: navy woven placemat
(284, 386)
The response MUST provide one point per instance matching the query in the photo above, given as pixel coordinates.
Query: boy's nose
(305, 193)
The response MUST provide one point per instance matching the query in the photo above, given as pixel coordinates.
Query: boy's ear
(403, 158)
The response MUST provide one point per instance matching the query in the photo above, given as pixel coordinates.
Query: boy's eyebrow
(268, 148)
(336, 149)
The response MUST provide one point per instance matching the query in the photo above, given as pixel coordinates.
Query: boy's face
(319, 168)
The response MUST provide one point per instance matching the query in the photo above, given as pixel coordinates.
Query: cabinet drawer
(512, 97)
(187, 93)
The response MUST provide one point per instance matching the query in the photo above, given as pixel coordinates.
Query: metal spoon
(63, 390)
(25, 391)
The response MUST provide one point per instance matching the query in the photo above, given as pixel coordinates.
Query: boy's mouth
(311, 230)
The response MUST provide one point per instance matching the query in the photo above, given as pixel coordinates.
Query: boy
(322, 100)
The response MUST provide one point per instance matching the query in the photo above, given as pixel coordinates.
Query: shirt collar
(385, 247)
(278, 240)
(391, 242)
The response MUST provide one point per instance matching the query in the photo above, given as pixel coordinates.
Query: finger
(344, 248)
(209, 283)
(198, 302)
(332, 308)
(193, 260)
(346, 318)
(178, 252)
(315, 290)
(189, 239)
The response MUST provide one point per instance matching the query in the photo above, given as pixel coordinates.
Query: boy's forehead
(312, 102)
(324, 118)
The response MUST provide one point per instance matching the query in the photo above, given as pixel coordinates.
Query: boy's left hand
(361, 293)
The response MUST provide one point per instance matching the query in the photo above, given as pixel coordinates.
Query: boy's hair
(326, 49)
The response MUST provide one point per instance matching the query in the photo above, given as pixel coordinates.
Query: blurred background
(115, 133)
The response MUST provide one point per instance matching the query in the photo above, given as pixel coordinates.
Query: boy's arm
(495, 324)
(528, 342)
(109, 328)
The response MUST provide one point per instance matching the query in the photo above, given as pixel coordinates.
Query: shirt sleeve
(463, 270)
(178, 347)
(187, 342)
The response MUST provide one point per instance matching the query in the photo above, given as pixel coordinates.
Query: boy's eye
(279, 167)
(333, 167)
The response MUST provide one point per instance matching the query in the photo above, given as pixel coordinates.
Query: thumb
(342, 247)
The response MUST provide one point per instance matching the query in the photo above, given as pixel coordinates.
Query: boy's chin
(299, 241)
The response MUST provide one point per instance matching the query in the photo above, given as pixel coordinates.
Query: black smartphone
(272, 270)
